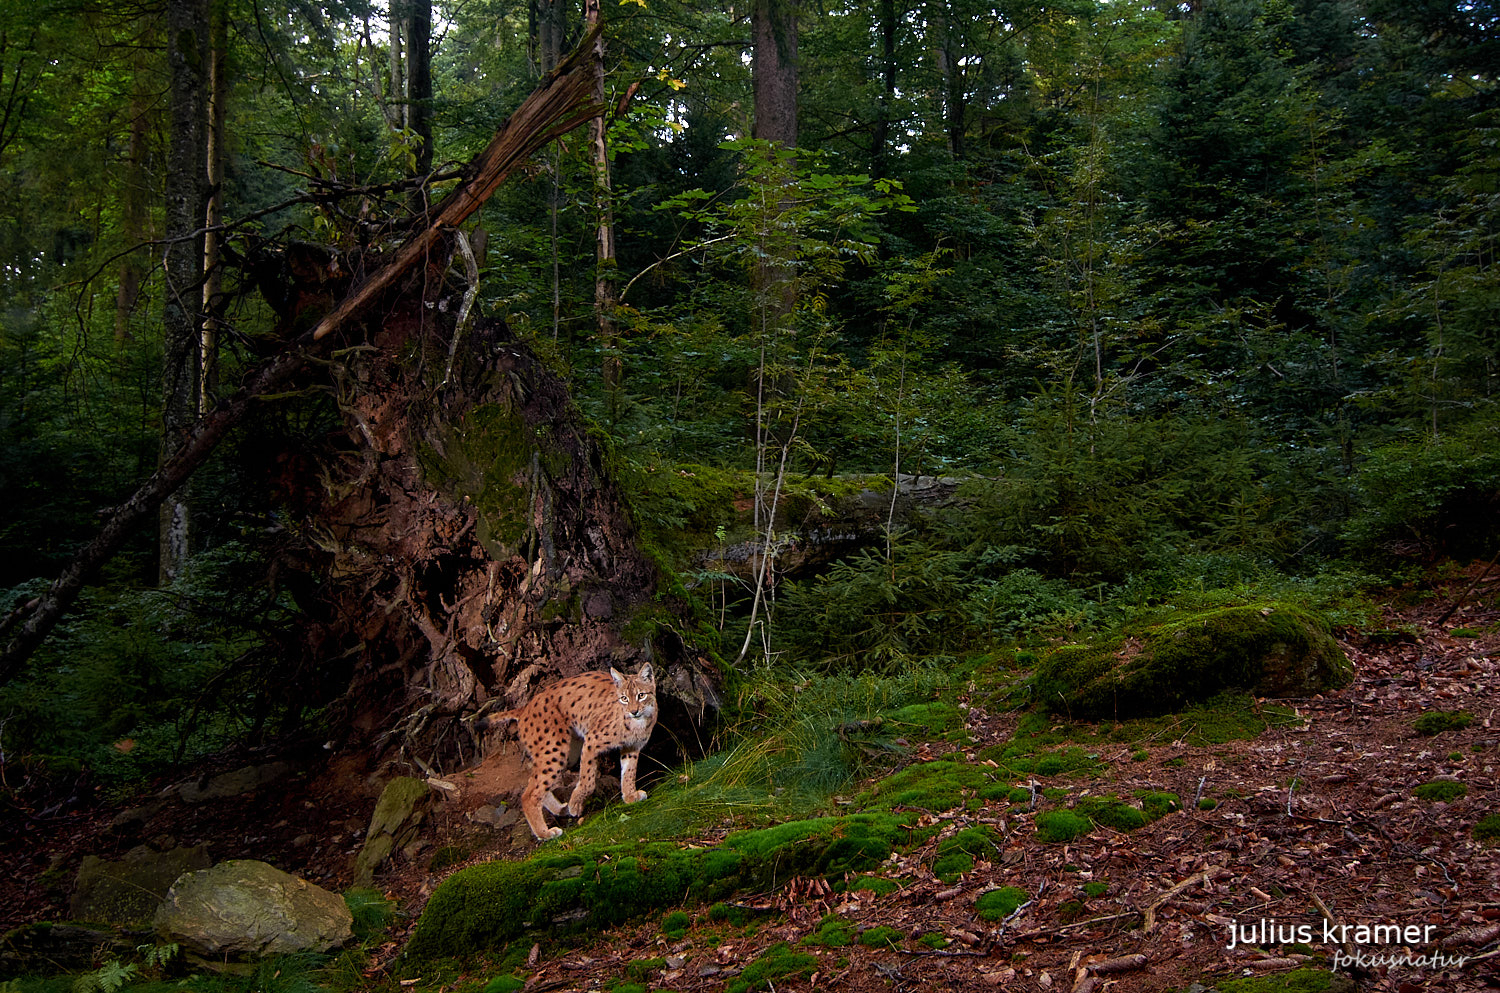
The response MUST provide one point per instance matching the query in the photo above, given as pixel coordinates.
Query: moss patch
(486, 460)
(1435, 722)
(832, 932)
(1058, 826)
(1440, 790)
(1269, 649)
(775, 963)
(1296, 981)
(956, 855)
(996, 905)
(879, 885)
(1488, 828)
(881, 937)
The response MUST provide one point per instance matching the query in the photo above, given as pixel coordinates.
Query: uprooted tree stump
(460, 537)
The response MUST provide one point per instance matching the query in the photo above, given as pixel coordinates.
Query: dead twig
(1149, 921)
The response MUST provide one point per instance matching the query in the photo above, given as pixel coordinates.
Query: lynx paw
(552, 832)
(636, 797)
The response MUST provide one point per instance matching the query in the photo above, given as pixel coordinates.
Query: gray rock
(245, 909)
(236, 783)
(127, 891)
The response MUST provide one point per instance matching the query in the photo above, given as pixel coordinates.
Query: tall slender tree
(186, 175)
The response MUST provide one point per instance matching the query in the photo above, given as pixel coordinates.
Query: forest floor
(1316, 832)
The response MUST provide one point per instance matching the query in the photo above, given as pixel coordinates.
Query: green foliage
(139, 680)
(676, 924)
(504, 984)
(1431, 496)
(955, 855)
(832, 932)
(596, 885)
(372, 912)
(879, 885)
(1435, 722)
(997, 905)
(1488, 828)
(1440, 791)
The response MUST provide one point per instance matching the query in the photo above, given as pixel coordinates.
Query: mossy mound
(1272, 650)
(486, 906)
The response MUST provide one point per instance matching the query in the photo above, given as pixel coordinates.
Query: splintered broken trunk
(461, 539)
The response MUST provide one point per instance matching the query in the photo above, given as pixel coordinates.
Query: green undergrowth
(996, 905)
(794, 748)
(791, 743)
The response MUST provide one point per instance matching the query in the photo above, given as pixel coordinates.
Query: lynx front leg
(627, 777)
(588, 775)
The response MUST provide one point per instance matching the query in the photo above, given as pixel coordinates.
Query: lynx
(608, 711)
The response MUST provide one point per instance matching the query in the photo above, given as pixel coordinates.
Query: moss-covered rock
(397, 818)
(486, 906)
(127, 891)
(1269, 649)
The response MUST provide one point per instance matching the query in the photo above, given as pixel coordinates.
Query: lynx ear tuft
(617, 676)
(647, 673)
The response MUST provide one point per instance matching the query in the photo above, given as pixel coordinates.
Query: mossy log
(487, 906)
(1271, 650)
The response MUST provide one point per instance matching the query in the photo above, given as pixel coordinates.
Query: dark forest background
(1199, 297)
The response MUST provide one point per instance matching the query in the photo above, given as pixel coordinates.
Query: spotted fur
(608, 711)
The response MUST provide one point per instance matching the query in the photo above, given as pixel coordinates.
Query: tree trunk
(951, 73)
(880, 139)
(213, 278)
(774, 70)
(604, 216)
(187, 53)
(418, 34)
(559, 105)
(135, 213)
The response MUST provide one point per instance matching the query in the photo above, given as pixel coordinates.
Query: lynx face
(637, 695)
